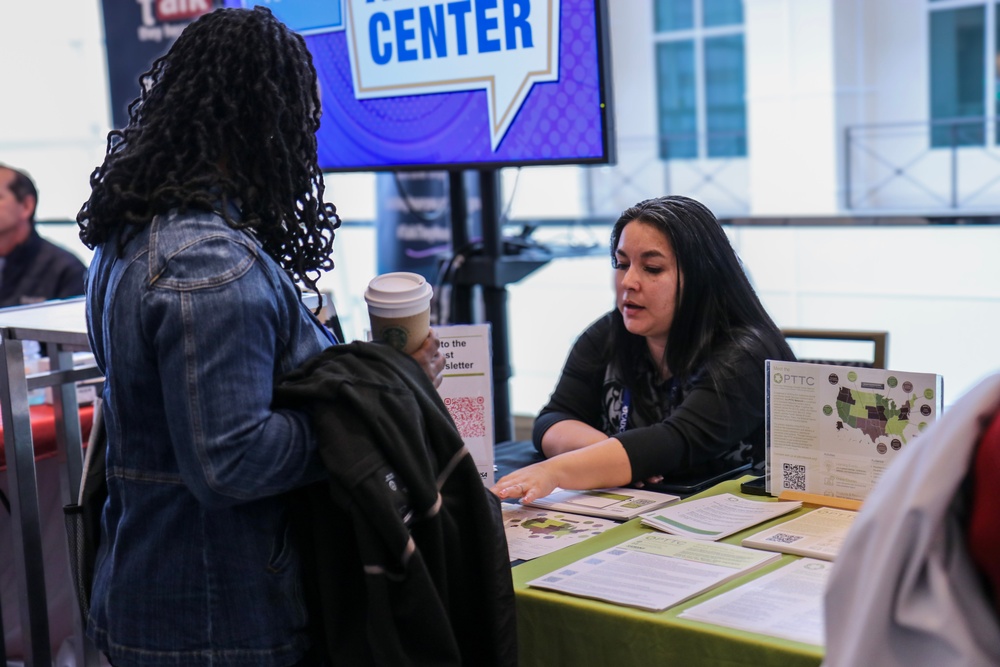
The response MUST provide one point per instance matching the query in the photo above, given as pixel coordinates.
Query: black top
(695, 429)
(38, 270)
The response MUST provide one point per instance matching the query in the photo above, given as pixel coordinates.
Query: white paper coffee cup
(399, 307)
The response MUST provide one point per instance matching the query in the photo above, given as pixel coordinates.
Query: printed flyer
(833, 430)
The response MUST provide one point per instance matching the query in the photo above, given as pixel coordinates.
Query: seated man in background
(31, 268)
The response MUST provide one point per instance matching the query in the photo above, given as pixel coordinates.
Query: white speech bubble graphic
(417, 47)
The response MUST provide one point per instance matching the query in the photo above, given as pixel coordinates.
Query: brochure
(715, 517)
(816, 534)
(833, 430)
(617, 503)
(467, 389)
(786, 603)
(654, 571)
(534, 532)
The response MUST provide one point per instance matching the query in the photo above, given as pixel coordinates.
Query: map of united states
(873, 414)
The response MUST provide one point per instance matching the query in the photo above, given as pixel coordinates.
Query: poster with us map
(833, 430)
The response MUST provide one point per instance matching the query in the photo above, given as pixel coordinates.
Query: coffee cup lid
(399, 293)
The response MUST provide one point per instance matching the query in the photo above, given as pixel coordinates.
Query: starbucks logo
(396, 337)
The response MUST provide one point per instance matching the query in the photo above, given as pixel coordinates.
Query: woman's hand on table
(603, 464)
(430, 358)
(527, 484)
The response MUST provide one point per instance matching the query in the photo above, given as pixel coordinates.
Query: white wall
(935, 289)
(638, 171)
(894, 168)
(792, 95)
(54, 104)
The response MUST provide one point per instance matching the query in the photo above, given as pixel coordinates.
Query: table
(557, 629)
(62, 327)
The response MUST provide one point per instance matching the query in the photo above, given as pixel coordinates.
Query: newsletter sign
(412, 47)
(467, 389)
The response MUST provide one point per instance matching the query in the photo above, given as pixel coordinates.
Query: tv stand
(492, 270)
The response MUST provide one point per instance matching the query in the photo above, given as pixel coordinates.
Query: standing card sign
(833, 430)
(467, 389)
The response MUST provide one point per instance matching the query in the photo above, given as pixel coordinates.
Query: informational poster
(833, 430)
(467, 389)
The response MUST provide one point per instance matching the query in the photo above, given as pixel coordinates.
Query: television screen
(456, 84)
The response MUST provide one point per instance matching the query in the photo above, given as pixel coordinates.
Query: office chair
(841, 347)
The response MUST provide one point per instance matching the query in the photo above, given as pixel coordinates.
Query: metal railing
(645, 168)
(948, 165)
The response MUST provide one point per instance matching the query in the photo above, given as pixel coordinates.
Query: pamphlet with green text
(654, 571)
(815, 534)
(616, 503)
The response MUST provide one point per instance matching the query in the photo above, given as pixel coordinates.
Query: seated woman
(670, 384)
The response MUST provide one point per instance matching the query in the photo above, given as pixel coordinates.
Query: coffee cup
(399, 307)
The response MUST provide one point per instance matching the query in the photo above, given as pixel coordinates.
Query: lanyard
(626, 402)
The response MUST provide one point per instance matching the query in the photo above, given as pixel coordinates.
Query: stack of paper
(715, 517)
(786, 603)
(618, 503)
(534, 532)
(654, 571)
(817, 534)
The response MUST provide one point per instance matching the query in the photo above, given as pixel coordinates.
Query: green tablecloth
(556, 629)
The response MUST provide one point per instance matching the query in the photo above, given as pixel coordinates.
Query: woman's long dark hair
(717, 314)
(228, 115)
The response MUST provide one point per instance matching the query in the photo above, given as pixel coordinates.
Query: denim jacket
(191, 326)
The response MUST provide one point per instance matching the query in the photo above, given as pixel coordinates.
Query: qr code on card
(793, 476)
(783, 538)
(469, 413)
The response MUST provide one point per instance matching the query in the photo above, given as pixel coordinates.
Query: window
(700, 78)
(964, 37)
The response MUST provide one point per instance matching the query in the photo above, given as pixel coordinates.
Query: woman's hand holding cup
(399, 307)
(430, 358)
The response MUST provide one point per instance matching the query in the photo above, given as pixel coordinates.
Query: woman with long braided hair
(206, 212)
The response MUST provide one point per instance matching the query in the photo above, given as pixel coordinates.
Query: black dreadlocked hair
(228, 115)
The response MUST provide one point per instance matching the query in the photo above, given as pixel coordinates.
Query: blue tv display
(457, 84)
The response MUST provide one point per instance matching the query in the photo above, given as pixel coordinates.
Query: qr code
(469, 413)
(638, 502)
(783, 538)
(793, 476)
